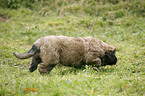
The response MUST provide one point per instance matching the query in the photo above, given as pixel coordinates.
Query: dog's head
(109, 58)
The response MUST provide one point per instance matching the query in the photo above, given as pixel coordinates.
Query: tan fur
(70, 51)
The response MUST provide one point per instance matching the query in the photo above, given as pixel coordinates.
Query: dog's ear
(110, 58)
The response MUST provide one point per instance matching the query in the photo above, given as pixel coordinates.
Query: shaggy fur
(69, 51)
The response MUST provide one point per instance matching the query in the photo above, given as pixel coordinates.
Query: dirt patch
(4, 18)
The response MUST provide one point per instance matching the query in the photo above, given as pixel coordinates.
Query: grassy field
(121, 24)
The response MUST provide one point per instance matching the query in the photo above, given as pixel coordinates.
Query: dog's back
(61, 49)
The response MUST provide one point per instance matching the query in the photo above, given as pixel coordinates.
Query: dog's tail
(28, 54)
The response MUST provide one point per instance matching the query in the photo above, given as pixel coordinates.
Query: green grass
(118, 23)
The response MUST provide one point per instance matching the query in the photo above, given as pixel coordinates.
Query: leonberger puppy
(49, 51)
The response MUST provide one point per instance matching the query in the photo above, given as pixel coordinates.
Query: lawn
(119, 23)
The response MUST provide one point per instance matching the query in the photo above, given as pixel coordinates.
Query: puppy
(69, 51)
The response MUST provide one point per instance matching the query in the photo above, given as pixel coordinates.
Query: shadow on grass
(62, 70)
(108, 69)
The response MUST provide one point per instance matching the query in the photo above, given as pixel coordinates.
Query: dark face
(109, 59)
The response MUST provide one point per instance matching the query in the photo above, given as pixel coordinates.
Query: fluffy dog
(69, 51)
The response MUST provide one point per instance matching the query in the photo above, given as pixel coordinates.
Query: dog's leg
(97, 63)
(34, 63)
(45, 69)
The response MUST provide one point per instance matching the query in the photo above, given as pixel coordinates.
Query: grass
(118, 23)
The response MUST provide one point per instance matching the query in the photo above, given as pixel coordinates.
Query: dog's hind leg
(45, 69)
(34, 63)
